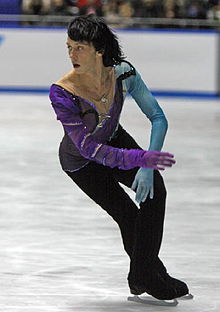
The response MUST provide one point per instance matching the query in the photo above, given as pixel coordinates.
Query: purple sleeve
(69, 115)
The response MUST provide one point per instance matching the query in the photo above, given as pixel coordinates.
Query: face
(83, 55)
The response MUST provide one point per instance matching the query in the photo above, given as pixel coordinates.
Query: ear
(101, 52)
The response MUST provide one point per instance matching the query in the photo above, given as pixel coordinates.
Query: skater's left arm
(143, 182)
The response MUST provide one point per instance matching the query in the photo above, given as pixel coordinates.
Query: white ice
(60, 252)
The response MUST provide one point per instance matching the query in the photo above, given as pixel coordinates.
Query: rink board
(169, 61)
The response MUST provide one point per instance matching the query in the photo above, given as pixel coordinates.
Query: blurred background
(129, 13)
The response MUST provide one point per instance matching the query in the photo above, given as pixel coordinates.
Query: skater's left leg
(150, 217)
(148, 226)
(147, 272)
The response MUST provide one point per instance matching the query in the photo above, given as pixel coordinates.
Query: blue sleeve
(150, 107)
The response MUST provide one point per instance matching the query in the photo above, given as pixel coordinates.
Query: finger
(134, 185)
(151, 193)
(165, 164)
(145, 194)
(166, 154)
(137, 197)
(166, 160)
(139, 193)
(159, 168)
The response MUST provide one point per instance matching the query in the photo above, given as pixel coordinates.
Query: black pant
(141, 229)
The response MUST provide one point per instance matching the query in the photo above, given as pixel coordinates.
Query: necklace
(100, 102)
(103, 116)
(104, 99)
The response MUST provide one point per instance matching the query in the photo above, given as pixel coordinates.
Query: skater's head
(93, 30)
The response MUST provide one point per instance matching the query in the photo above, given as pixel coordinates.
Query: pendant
(104, 100)
(102, 118)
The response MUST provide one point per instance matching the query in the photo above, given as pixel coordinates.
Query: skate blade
(153, 301)
(186, 297)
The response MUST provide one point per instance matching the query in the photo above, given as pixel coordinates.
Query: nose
(73, 54)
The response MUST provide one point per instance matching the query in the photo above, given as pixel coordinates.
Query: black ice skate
(164, 289)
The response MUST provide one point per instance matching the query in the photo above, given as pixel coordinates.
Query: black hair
(93, 29)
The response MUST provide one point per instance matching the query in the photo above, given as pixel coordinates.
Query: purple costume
(86, 138)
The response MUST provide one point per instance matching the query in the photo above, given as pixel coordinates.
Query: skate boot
(180, 286)
(159, 285)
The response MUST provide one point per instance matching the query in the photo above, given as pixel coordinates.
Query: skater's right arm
(69, 115)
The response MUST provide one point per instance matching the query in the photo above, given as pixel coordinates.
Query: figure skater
(98, 154)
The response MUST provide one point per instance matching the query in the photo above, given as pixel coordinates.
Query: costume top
(86, 136)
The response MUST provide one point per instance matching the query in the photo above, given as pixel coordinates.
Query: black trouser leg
(148, 233)
(147, 272)
(147, 228)
(101, 186)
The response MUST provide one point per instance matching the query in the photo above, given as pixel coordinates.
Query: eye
(69, 47)
(80, 48)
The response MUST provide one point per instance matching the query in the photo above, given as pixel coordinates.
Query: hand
(157, 160)
(143, 184)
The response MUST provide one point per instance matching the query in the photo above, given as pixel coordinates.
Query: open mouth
(76, 65)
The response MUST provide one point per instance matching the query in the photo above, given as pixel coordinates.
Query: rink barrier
(1, 39)
(156, 93)
(180, 63)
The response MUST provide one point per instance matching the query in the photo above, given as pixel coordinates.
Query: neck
(96, 77)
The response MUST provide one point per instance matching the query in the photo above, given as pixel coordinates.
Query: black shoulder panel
(128, 73)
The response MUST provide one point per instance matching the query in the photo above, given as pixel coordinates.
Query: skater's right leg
(98, 182)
